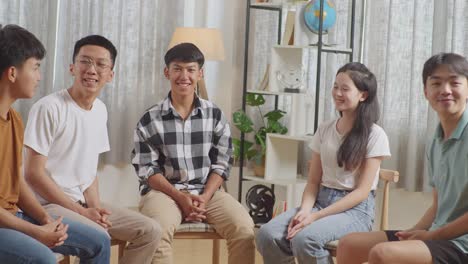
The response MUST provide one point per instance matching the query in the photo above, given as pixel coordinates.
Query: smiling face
(92, 69)
(25, 79)
(183, 77)
(446, 91)
(345, 93)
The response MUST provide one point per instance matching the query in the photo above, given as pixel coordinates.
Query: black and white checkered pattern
(184, 151)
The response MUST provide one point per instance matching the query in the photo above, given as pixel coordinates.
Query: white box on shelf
(286, 69)
(291, 69)
(281, 157)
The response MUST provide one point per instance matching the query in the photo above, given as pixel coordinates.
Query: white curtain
(141, 31)
(37, 17)
(400, 36)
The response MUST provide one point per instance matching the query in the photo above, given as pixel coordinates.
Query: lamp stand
(201, 89)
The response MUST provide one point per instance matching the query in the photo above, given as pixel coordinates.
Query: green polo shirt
(448, 169)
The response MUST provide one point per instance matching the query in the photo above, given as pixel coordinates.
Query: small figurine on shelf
(291, 79)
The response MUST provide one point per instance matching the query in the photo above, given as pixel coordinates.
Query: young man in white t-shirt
(65, 133)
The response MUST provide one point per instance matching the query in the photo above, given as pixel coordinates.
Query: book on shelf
(288, 36)
(263, 86)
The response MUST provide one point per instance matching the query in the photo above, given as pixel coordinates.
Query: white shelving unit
(281, 164)
(282, 155)
(292, 62)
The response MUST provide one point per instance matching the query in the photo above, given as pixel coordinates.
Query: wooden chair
(114, 242)
(200, 231)
(387, 177)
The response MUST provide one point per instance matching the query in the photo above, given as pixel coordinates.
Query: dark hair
(18, 45)
(353, 150)
(456, 63)
(184, 52)
(96, 40)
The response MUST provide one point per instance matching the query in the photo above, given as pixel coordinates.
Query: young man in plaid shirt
(182, 156)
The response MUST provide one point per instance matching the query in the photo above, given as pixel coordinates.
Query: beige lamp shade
(208, 40)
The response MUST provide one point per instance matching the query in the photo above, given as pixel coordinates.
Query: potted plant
(255, 151)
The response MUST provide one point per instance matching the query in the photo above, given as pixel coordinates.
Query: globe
(312, 15)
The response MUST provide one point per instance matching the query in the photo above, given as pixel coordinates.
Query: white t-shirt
(71, 138)
(327, 141)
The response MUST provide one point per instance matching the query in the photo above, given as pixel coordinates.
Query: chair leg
(122, 248)
(65, 260)
(216, 249)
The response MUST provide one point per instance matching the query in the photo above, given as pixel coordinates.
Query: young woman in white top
(339, 196)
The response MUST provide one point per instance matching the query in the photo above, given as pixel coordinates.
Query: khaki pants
(224, 213)
(142, 233)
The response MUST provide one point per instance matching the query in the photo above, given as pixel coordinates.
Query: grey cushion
(195, 227)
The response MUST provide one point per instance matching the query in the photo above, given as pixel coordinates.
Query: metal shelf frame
(321, 48)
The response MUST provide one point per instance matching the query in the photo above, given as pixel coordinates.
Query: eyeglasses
(100, 66)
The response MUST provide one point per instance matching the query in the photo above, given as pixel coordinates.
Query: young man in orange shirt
(27, 233)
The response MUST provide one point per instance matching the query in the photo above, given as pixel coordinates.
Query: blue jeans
(308, 245)
(90, 245)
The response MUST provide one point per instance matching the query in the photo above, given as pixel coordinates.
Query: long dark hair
(353, 150)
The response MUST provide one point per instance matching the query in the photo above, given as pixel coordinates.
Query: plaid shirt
(184, 151)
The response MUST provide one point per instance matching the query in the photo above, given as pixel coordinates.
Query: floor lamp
(208, 40)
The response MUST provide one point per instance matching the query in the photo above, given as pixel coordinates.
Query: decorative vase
(259, 168)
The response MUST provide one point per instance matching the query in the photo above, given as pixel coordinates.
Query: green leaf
(276, 127)
(247, 148)
(254, 99)
(260, 136)
(242, 121)
(251, 153)
(274, 115)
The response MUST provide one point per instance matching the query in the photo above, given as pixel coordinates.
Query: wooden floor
(191, 252)
(199, 252)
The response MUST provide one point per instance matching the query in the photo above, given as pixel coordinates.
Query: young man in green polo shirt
(441, 235)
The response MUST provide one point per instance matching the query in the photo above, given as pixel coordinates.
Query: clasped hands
(302, 219)
(98, 215)
(193, 207)
(51, 232)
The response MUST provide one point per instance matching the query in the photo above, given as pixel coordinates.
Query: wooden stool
(200, 231)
